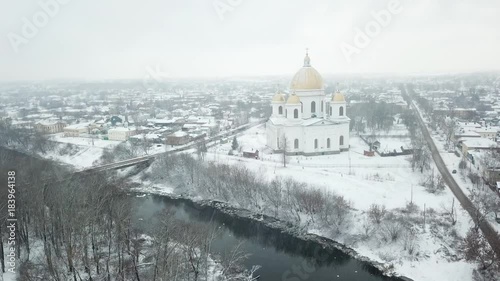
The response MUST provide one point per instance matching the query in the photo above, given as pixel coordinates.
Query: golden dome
(338, 97)
(307, 78)
(293, 99)
(279, 97)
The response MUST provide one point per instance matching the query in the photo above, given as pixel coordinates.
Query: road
(489, 232)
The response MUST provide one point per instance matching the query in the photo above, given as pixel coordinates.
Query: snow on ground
(85, 157)
(396, 130)
(83, 151)
(86, 152)
(389, 144)
(81, 141)
(363, 180)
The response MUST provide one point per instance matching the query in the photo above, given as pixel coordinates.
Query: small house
(251, 154)
(178, 138)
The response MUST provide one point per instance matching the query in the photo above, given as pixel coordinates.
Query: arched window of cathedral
(295, 113)
(301, 107)
(341, 141)
(331, 111)
(313, 107)
(328, 143)
(341, 111)
(296, 144)
(280, 110)
(321, 106)
(316, 143)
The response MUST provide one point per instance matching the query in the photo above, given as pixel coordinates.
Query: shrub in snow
(391, 231)
(377, 213)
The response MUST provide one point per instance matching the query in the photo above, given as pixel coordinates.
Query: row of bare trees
(83, 227)
(421, 156)
(283, 198)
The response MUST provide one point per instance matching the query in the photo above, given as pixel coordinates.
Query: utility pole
(411, 195)
(424, 217)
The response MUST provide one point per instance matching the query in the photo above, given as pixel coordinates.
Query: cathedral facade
(308, 121)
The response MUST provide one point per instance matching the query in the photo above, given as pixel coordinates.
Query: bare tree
(477, 249)
(482, 206)
(274, 195)
(450, 129)
(231, 265)
(201, 149)
(146, 144)
(451, 212)
(311, 201)
(377, 213)
(410, 243)
(421, 156)
(391, 231)
(284, 147)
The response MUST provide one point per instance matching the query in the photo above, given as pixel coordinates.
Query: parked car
(454, 172)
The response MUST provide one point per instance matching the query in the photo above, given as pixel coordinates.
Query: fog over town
(233, 140)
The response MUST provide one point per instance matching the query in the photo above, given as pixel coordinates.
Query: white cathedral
(307, 121)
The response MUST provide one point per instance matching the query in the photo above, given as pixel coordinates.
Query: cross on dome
(307, 60)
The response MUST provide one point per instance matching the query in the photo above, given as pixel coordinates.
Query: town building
(121, 133)
(76, 130)
(50, 126)
(469, 144)
(178, 138)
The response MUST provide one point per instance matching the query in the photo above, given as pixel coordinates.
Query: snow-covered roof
(47, 122)
(77, 126)
(179, 134)
(122, 129)
(479, 143)
(488, 130)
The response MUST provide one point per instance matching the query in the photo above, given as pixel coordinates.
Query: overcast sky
(113, 39)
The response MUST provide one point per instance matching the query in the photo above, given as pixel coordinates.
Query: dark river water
(281, 256)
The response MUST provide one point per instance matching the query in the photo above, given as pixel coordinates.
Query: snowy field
(85, 141)
(396, 130)
(390, 144)
(77, 151)
(82, 152)
(364, 180)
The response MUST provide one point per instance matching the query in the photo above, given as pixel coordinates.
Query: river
(280, 255)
